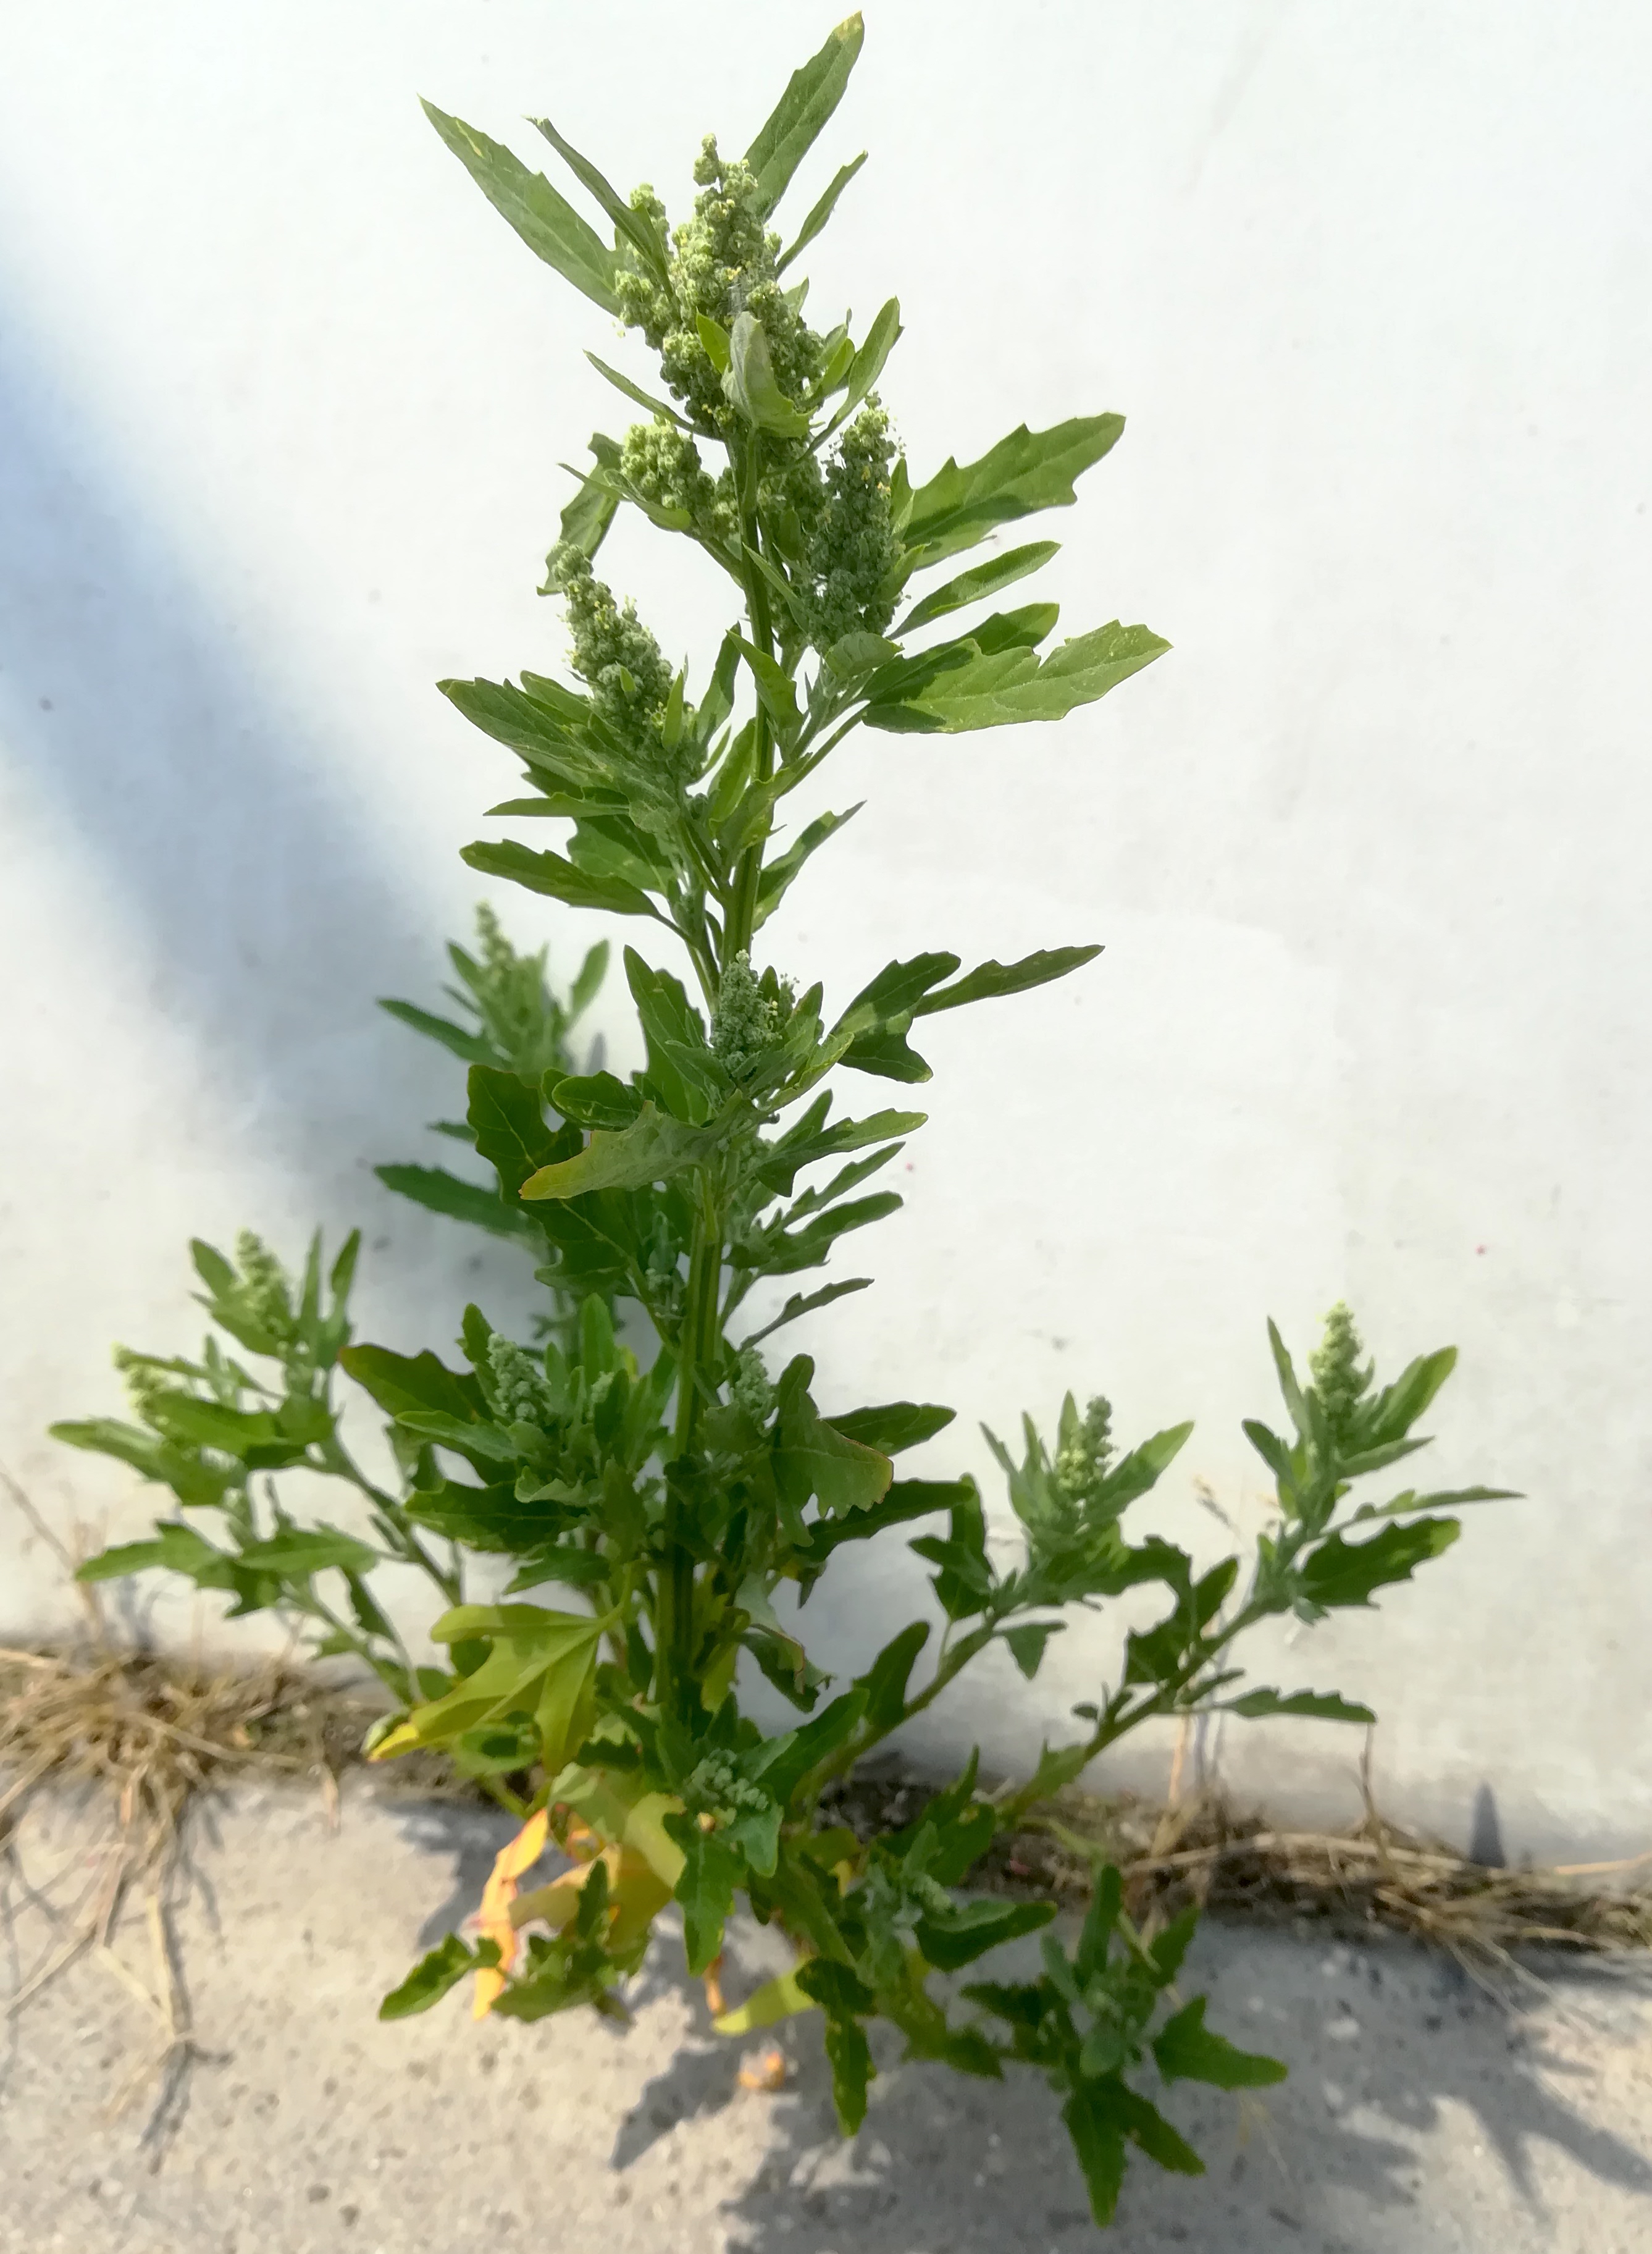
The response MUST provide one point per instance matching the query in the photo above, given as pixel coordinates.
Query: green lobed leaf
(812, 1458)
(1186, 2050)
(895, 1425)
(508, 1124)
(653, 1148)
(431, 1979)
(1027, 1643)
(774, 686)
(779, 873)
(193, 1481)
(558, 879)
(594, 1100)
(1447, 1499)
(1024, 473)
(584, 521)
(950, 1943)
(546, 222)
(885, 1680)
(1008, 687)
(295, 1553)
(538, 1662)
(711, 1870)
(991, 980)
(812, 94)
(845, 2001)
(1093, 2123)
(782, 1762)
(1339, 1572)
(1314, 1706)
(787, 1250)
(174, 1549)
(439, 1191)
(400, 1382)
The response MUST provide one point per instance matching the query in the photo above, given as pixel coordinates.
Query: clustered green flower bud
(1334, 1367)
(928, 1893)
(722, 265)
(500, 958)
(749, 1016)
(751, 1390)
(142, 1378)
(266, 1294)
(853, 546)
(613, 653)
(717, 1789)
(521, 1394)
(663, 464)
(1085, 1453)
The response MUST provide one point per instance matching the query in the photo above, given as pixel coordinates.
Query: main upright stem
(698, 1338)
(743, 906)
(674, 1624)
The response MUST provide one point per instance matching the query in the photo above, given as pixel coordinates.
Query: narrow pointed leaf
(546, 222)
(868, 363)
(805, 1303)
(640, 231)
(635, 393)
(820, 214)
(812, 92)
(471, 1046)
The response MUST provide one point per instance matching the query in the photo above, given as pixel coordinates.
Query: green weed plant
(678, 1497)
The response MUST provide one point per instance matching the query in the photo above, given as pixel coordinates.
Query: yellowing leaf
(600, 1799)
(539, 1661)
(651, 1149)
(775, 2000)
(636, 1895)
(494, 1920)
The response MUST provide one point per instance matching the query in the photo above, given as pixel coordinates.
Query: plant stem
(743, 906)
(675, 1622)
(949, 1664)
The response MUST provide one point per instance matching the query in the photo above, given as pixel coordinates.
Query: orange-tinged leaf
(636, 1895)
(494, 1920)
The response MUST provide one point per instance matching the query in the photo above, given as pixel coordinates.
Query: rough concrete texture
(1422, 2117)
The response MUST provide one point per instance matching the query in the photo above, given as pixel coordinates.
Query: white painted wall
(281, 404)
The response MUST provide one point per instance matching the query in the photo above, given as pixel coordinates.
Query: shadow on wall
(198, 797)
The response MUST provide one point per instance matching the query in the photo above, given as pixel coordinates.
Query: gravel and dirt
(243, 2098)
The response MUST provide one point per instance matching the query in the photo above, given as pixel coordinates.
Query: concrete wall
(281, 407)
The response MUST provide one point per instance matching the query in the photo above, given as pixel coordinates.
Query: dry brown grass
(146, 1733)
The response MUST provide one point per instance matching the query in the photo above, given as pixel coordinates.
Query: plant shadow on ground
(1384, 2050)
(1388, 2044)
